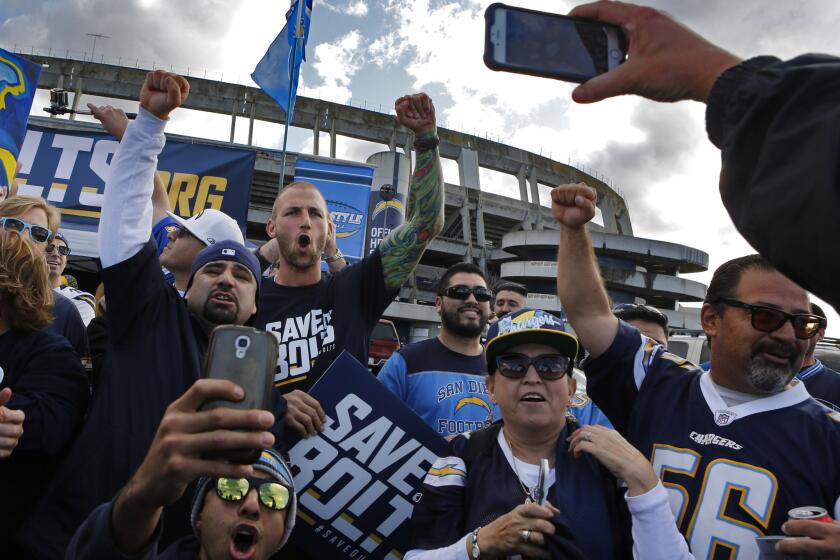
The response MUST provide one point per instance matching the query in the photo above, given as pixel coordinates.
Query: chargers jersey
(445, 388)
(732, 472)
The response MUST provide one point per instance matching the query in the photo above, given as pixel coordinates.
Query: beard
(219, 315)
(456, 324)
(769, 378)
(296, 259)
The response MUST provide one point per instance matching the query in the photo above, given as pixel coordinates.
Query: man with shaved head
(315, 317)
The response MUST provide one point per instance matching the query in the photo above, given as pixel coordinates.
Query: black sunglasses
(63, 250)
(769, 319)
(38, 233)
(481, 293)
(549, 367)
(272, 494)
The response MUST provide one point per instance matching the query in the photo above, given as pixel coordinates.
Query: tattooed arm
(402, 249)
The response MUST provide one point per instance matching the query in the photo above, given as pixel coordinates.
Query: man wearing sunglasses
(36, 220)
(244, 512)
(442, 378)
(741, 425)
(58, 249)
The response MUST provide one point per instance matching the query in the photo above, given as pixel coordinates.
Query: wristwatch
(476, 552)
(338, 255)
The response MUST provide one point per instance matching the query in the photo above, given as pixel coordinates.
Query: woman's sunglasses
(272, 495)
(549, 367)
(37, 233)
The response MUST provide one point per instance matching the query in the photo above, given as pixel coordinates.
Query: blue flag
(18, 79)
(277, 73)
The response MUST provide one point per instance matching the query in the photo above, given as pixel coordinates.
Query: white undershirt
(734, 398)
(529, 474)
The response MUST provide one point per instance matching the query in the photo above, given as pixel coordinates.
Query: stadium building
(511, 238)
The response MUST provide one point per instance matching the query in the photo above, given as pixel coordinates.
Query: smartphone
(550, 45)
(247, 357)
(542, 482)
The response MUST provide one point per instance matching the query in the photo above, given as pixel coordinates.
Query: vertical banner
(346, 188)
(358, 480)
(70, 168)
(18, 79)
(386, 210)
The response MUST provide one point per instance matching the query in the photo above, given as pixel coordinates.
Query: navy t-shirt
(68, 323)
(315, 323)
(49, 385)
(154, 354)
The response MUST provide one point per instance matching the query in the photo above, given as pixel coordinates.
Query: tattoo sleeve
(402, 249)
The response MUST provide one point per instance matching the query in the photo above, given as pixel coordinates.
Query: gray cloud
(175, 32)
(670, 135)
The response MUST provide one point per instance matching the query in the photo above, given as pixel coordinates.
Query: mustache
(226, 291)
(775, 347)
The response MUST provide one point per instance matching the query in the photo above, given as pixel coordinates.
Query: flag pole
(298, 37)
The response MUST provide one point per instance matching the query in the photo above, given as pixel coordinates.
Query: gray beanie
(271, 463)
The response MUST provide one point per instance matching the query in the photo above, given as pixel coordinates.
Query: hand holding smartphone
(247, 357)
(550, 45)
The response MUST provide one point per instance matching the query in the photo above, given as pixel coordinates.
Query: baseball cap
(211, 226)
(528, 326)
(272, 464)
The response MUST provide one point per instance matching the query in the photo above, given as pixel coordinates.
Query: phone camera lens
(242, 342)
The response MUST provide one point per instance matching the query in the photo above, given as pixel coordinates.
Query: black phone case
(252, 369)
(490, 62)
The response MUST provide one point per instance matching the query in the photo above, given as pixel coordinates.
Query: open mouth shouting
(243, 542)
(532, 397)
(303, 242)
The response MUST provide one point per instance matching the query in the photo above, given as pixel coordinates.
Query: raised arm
(402, 249)
(115, 123)
(126, 222)
(579, 284)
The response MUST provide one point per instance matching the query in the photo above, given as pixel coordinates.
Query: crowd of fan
(105, 449)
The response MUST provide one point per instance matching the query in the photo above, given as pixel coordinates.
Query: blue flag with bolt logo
(358, 480)
(18, 80)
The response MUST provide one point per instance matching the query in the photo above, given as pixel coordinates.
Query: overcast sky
(369, 52)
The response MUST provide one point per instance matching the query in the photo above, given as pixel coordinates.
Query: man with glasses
(57, 252)
(442, 378)
(36, 220)
(736, 447)
(238, 511)
(647, 319)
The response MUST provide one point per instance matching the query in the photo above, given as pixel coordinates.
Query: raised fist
(573, 205)
(416, 112)
(163, 92)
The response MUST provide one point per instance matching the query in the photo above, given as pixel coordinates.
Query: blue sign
(70, 170)
(358, 480)
(347, 191)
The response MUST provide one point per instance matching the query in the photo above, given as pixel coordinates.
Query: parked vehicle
(384, 341)
(828, 352)
(692, 348)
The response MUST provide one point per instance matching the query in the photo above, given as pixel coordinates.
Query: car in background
(828, 352)
(384, 341)
(692, 348)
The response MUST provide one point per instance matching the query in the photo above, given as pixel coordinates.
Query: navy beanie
(227, 251)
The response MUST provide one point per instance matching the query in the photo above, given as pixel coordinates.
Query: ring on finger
(587, 436)
(525, 535)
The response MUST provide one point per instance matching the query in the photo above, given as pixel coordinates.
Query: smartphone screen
(551, 45)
